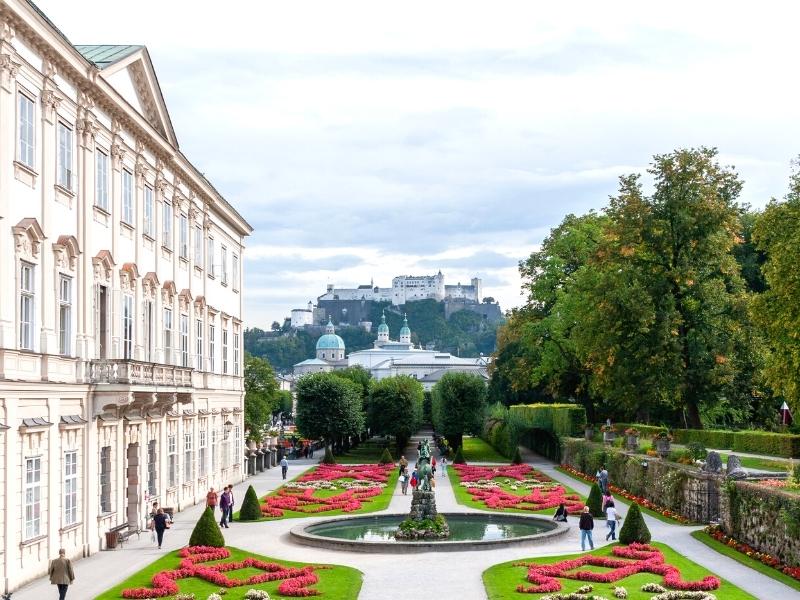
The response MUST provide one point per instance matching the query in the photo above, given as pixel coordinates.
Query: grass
(374, 504)
(465, 498)
(502, 580)
(338, 582)
(762, 464)
(754, 564)
(368, 452)
(477, 450)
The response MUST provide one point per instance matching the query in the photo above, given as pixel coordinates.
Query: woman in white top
(611, 520)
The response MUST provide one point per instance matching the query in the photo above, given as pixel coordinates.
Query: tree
(251, 507)
(634, 529)
(517, 458)
(595, 501)
(386, 457)
(275, 326)
(395, 408)
(206, 532)
(458, 459)
(458, 404)
(284, 403)
(328, 407)
(260, 394)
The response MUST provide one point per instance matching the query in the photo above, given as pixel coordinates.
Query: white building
(330, 354)
(302, 317)
(409, 288)
(121, 304)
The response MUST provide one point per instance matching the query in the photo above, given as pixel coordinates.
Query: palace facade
(120, 301)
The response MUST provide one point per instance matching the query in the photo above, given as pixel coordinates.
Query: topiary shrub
(386, 458)
(634, 529)
(459, 457)
(207, 532)
(328, 458)
(517, 459)
(595, 501)
(697, 450)
(251, 507)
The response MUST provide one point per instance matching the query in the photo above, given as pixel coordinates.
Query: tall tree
(260, 394)
(459, 400)
(395, 408)
(328, 407)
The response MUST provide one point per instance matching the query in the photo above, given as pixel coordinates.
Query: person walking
(224, 504)
(161, 524)
(561, 513)
(230, 507)
(586, 525)
(211, 501)
(403, 481)
(444, 466)
(284, 467)
(611, 520)
(403, 464)
(61, 573)
(602, 480)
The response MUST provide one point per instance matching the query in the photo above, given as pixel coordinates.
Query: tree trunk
(693, 416)
(455, 441)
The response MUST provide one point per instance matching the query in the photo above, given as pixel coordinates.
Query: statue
(423, 522)
(424, 468)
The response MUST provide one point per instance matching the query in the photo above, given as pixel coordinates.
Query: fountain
(423, 522)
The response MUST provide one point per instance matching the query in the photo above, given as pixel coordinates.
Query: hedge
(560, 419)
(762, 442)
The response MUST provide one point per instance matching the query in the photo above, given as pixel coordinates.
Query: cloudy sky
(370, 139)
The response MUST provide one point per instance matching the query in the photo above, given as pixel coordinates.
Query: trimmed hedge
(560, 419)
(206, 532)
(634, 529)
(595, 501)
(719, 439)
(251, 507)
(762, 442)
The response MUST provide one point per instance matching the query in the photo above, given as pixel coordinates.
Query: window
(71, 487)
(235, 269)
(172, 450)
(64, 314)
(149, 226)
(64, 156)
(127, 326)
(27, 301)
(235, 353)
(27, 130)
(168, 336)
(214, 457)
(101, 180)
(224, 351)
(198, 331)
(184, 340)
(148, 330)
(224, 260)
(33, 497)
(211, 347)
(210, 257)
(201, 467)
(183, 243)
(188, 457)
(152, 469)
(127, 197)
(166, 222)
(105, 479)
(237, 442)
(198, 246)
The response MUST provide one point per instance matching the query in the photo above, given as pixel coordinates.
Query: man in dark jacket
(61, 573)
(586, 525)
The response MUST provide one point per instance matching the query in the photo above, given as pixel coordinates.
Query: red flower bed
(771, 561)
(296, 581)
(641, 501)
(636, 558)
(376, 473)
(532, 500)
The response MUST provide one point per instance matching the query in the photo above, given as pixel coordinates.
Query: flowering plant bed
(203, 570)
(333, 490)
(511, 488)
(650, 507)
(605, 573)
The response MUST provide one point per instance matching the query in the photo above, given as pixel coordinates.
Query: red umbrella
(786, 415)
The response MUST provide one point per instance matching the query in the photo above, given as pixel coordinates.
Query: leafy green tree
(386, 457)
(595, 501)
(251, 507)
(459, 400)
(395, 408)
(328, 407)
(206, 532)
(458, 459)
(260, 394)
(283, 403)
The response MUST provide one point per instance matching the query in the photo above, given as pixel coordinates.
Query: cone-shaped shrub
(386, 458)
(459, 457)
(251, 507)
(595, 501)
(634, 529)
(206, 532)
(517, 458)
(328, 460)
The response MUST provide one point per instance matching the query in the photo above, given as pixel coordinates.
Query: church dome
(405, 330)
(330, 341)
(383, 327)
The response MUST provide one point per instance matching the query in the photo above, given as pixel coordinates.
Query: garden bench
(120, 534)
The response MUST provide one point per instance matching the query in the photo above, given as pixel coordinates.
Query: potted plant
(588, 431)
(609, 433)
(632, 438)
(662, 441)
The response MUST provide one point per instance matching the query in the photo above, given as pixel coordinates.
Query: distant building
(302, 316)
(330, 354)
(409, 288)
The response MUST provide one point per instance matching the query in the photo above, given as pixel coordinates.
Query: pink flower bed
(376, 473)
(295, 581)
(643, 559)
(532, 500)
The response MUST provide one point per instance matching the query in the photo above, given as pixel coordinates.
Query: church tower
(383, 330)
(405, 331)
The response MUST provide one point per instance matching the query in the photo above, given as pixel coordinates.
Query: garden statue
(424, 469)
(423, 522)
(735, 470)
(713, 462)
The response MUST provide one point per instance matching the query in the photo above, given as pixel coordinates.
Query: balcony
(133, 372)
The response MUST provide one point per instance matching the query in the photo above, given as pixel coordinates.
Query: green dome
(405, 329)
(330, 341)
(383, 327)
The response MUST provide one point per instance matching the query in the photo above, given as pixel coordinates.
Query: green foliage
(595, 501)
(436, 525)
(206, 532)
(328, 407)
(251, 507)
(761, 442)
(696, 450)
(427, 405)
(260, 395)
(517, 458)
(459, 400)
(328, 459)
(459, 457)
(710, 438)
(395, 408)
(560, 419)
(386, 458)
(285, 402)
(634, 529)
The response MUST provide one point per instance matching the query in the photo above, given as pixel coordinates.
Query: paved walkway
(387, 576)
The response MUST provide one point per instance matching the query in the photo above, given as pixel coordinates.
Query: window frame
(106, 505)
(32, 497)
(168, 341)
(198, 332)
(27, 305)
(65, 315)
(166, 224)
(152, 467)
(236, 353)
(149, 210)
(212, 342)
(235, 271)
(65, 176)
(128, 307)
(183, 236)
(172, 460)
(224, 350)
(101, 162)
(26, 143)
(128, 201)
(210, 257)
(183, 337)
(198, 246)
(70, 487)
(223, 255)
(188, 456)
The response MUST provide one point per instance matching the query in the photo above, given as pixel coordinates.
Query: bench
(123, 532)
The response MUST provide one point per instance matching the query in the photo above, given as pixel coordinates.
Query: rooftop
(105, 55)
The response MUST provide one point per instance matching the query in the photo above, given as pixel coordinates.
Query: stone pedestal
(423, 522)
(423, 505)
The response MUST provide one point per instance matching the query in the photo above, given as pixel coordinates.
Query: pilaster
(87, 129)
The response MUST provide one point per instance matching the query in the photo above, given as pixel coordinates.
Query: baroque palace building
(120, 301)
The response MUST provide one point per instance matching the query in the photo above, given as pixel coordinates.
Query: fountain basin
(468, 531)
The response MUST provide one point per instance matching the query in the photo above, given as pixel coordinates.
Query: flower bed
(771, 561)
(518, 487)
(641, 501)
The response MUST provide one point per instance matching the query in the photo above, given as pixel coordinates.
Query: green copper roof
(383, 327)
(105, 55)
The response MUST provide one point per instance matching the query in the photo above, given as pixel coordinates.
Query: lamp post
(227, 426)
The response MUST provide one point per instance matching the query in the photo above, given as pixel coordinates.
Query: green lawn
(502, 580)
(465, 498)
(373, 504)
(338, 582)
(368, 452)
(476, 450)
(762, 464)
(702, 536)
